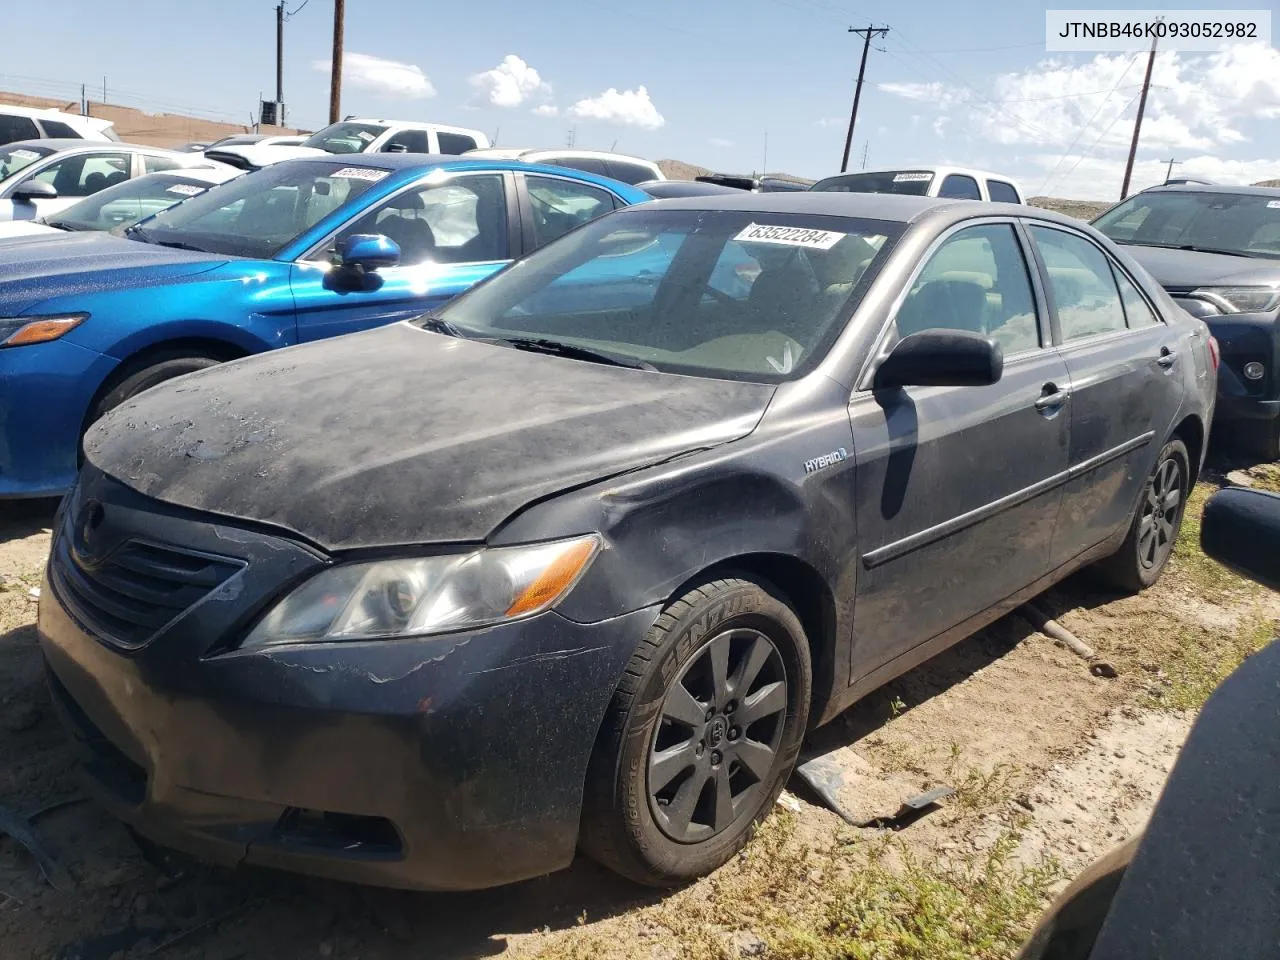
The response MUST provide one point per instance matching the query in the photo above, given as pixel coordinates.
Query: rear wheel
(1156, 523)
(1260, 438)
(703, 731)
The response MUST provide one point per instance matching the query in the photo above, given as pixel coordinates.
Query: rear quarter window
(958, 186)
(632, 173)
(455, 143)
(1001, 192)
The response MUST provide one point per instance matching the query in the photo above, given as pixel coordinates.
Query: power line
(1093, 146)
(296, 10)
(1088, 123)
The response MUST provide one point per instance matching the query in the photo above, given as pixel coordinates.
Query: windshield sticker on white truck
(361, 173)
(365, 135)
(911, 177)
(789, 236)
(25, 155)
(185, 189)
(1273, 204)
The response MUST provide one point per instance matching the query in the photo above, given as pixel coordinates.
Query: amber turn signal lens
(40, 331)
(558, 577)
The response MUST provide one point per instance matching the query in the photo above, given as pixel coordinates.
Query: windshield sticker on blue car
(185, 189)
(361, 173)
(911, 177)
(789, 236)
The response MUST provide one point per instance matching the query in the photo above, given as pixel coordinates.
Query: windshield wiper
(135, 232)
(573, 352)
(440, 325)
(1183, 246)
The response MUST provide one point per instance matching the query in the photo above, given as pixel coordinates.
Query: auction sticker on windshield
(25, 155)
(911, 177)
(371, 174)
(185, 189)
(790, 236)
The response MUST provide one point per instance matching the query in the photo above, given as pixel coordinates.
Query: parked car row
(565, 512)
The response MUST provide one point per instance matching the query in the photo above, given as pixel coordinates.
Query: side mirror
(941, 358)
(34, 190)
(1240, 529)
(395, 148)
(367, 252)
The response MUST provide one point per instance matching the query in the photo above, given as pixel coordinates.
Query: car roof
(512, 153)
(1272, 192)
(417, 124)
(64, 144)
(937, 169)
(901, 208)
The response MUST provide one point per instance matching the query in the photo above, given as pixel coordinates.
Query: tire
(133, 379)
(671, 725)
(1155, 525)
(1259, 438)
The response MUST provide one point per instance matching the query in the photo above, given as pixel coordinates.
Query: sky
(734, 86)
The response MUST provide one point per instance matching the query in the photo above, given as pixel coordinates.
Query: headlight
(1240, 299)
(416, 597)
(20, 331)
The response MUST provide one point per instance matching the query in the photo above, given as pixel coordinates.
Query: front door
(1123, 366)
(452, 233)
(957, 488)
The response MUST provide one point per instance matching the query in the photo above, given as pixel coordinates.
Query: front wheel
(1156, 523)
(702, 733)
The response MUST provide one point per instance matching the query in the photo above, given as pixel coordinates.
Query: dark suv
(1216, 250)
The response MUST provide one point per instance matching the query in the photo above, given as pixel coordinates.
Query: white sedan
(39, 178)
(124, 204)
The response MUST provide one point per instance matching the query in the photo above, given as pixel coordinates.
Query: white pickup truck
(956, 183)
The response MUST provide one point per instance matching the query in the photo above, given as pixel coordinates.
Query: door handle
(1166, 358)
(1052, 397)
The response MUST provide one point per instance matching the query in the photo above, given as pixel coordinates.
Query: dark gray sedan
(575, 562)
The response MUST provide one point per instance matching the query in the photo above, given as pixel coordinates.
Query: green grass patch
(1207, 576)
(1200, 659)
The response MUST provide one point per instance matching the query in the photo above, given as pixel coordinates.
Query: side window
(1001, 192)
(957, 186)
(1083, 287)
(976, 281)
(413, 141)
(17, 128)
(560, 205)
(83, 175)
(55, 128)
(632, 173)
(159, 164)
(1136, 309)
(455, 143)
(463, 220)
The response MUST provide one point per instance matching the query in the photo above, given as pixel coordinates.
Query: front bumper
(450, 763)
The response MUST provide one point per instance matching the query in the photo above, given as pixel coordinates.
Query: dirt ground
(1041, 750)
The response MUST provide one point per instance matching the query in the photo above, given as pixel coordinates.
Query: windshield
(728, 294)
(345, 137)
(261, 213)
(1238, 223)
(14, 158)
(128, 202)
(912, 182)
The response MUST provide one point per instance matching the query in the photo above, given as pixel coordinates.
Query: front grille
(132, 593)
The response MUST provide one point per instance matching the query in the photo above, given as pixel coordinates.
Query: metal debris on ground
(20, 829)
(1063, 637)
(825, 777)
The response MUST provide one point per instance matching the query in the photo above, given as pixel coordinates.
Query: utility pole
(866, 33)
(1169, 172)
(1137, 124)
(280, 63)
(335, 68)
(764, 163)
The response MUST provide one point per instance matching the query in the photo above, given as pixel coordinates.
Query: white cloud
(720, 142)
(940, 126)
(940, 94)
(382, 78)
(631, 108)
(547, 110)
(510, 83)
(825, 122)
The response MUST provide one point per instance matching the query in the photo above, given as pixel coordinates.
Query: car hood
(35, 269)
(265, 154)
(1187, 269)
(400, 436)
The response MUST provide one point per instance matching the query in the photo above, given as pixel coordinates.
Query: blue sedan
(299, 251)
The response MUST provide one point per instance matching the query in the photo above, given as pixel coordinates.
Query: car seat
(944, 305)
(406, 224)
(94, 182)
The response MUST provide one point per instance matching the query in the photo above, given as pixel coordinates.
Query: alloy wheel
(1161, 511)
(718, 735)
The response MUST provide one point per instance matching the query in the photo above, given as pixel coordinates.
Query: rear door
(452, 234)
(1123, 364)
(957, 489)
